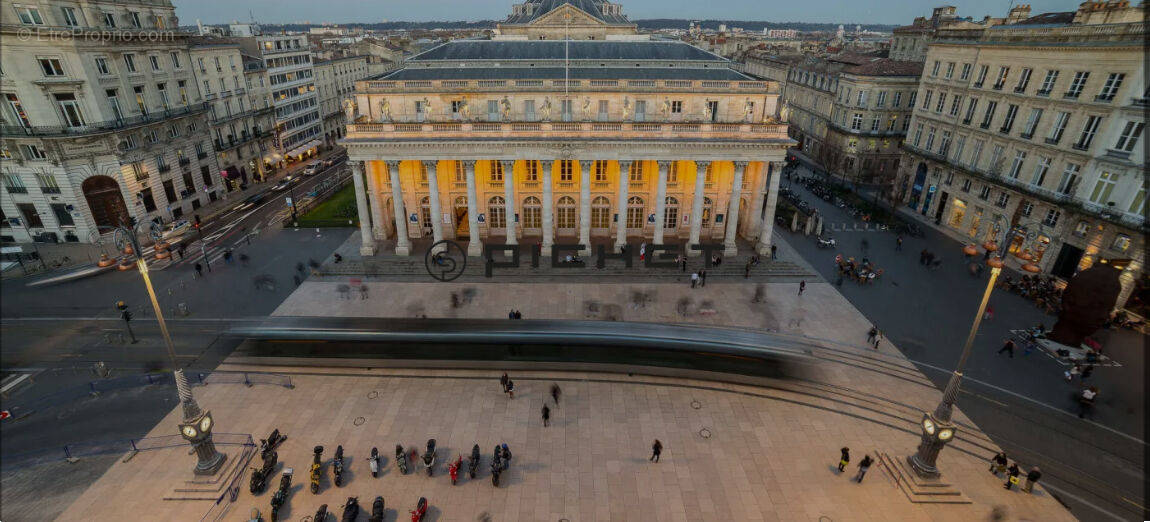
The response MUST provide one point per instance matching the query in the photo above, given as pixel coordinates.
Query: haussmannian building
(590, 141)
(1030, 134)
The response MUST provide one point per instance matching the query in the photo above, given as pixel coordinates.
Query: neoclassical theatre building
(533, 138)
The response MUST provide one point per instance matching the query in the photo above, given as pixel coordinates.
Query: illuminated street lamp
(937, 429)
(197, 425)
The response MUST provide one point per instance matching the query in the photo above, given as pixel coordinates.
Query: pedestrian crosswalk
(196, 252)
(855, 227)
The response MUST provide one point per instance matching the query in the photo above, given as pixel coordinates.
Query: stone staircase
(919, 490)
(211, 488)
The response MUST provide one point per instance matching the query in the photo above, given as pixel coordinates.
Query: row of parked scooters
(499, 463)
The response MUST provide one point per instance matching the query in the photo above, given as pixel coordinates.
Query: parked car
(312, 168)
(251, 201)
(176, 229)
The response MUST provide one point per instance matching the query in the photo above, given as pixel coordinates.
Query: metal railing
(483, 129)
(106, 126)
(88, 449)
(388, 86)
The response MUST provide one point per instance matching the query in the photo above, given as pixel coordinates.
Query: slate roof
(543, 7)
(556, 73)
(554, 50)
(1047, 19)
(886, 67)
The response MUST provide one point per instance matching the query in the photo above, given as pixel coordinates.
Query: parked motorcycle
(260, 474)
(373, 460)
(453, 469)
(337, 466)
(376, 510)
(272, 442)
(281, 495)
(316, 468)
(320, 514)
(828, 242)
(473, 462)
(350, 510)
(420, 510)
(429, 457)
(496, 469)
(401, 459)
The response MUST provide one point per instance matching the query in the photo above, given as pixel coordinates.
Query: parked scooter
(429, 457)
(376, 510)
(420, 510)
(496, 466)
(828, 242)
(473, 462)
(350, 510)
(373, 460)
(281, 495)
(261, 474)
(401, 459)
(316, 468)
(271, 443)
(320, 514)
(337, 466)
(453, 469)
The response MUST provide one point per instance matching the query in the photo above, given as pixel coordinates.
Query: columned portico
(509, 198)
(548, 205)
(374, 204)
(402, 242)
(621, 206)
(772, 201)
(697, 205)
(661, 201)
(756, 225)
(368, 246)
(584, 207)
(432, 167)
(729, 247)
(474, 246)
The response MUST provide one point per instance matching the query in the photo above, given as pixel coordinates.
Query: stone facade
(1030, 135)
(103, 120)
(567, 19)
(334, 81)
(287, 58)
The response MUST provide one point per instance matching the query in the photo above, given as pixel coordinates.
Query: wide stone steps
(918, 490)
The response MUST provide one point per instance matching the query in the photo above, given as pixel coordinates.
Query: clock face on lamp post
(197, 429)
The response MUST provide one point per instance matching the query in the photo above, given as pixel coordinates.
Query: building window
(29, 15)
(1089, 129)
(890, 124)
(1081, 229)
(529, 110)
(856, 121)
(981, 78)
(565, 212)
(949, 70)
(910, 101)
(1032, 123)
(944, 145)
(1121, 243)
(1026, 208)
(976, 153)
(155, 61)
(176, 60)
(1129, 138)
(1137, 205)
(635, 212)
(1003, 200)
(600, 212)
(14, 184)
(862, 98)
(599, 167)
(130, 62)
(880, 100)
(955, 105)
(677, 107)
(1103, 188)
(671, 213)
(966, 185)
(934, 69)
(602, 116)
(988, 116)
(941, 103)
(970, 107)
(997, 156)
(70, 109)
(1078, 84)
(1016, 165)
(532, 167)
(63, 217)
(1023, 80)
(1110, 89)
(567, 109)
(460, 172)
(635, 174)
(965, 74)
(1040, 170)
(566, 170)
(1058, 128)
(102, 66)
(897, 99)
(33, 152)
(496, 169)
(532, 213)
(874, 123)
(31, 216)
(51, 67)
(1051, 218)
(1003, 72)
(497, 212)
(1008, 120)
(926, 100)
(917, 134)
(930, 138)
(1069, 180)
(425, 212)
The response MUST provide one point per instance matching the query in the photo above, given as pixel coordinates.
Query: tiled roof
(542, 7)
(557, 73)
(1047, 18)
(886, 67)
(554, 50)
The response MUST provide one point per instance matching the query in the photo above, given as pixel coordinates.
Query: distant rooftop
(557, 73)
(574, 50)
(534, 9)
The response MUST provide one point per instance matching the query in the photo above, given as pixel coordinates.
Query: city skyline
(893, 12)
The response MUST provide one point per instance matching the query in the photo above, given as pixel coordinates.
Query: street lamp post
(197, 424)
(937, 429)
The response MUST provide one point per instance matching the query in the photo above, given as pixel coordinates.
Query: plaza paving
(770, 454)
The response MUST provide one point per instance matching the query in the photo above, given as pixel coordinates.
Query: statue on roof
(506, 108)
(708, 112)
(465, 110)
(626, 108)
(665, 110)
(586, 108)
(385, 110)
(748, 110)
(546, 108)
(349, 110)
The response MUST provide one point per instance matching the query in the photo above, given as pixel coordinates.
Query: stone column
(402, 242)
(756, 209)
(729, 247)
(548, 209)
(474, 246)
(697, 205)
(624, 181)
(509, 198)
(769, 219)
(584, 208)
(433, 195)
(367, 248)
(373, 191)
(660, 201)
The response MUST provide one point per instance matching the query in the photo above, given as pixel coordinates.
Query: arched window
(635, 212)
(425, 211)
(565, 212)
(671, 213)
(600, 212)
(707, 206)
(532, 213)
(497, 212)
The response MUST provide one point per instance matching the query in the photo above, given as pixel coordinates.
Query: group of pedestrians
(874, 336)
(508, 385)
(998, 466)
(928, 259)
(514, 314)
(864, 464)
(699, 279)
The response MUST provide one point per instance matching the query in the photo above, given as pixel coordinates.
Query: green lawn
(338, 208)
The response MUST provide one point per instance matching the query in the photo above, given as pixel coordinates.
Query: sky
(898, 12)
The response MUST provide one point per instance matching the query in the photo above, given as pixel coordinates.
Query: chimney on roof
(1018, 13)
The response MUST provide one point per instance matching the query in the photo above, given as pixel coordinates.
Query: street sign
(4, 414)
(288, 199)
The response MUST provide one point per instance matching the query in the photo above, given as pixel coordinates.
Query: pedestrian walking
(1072, 372)
(510, 388)
(864, 465)
(683, 263)
(546, 416)
(844, 459)
(774, 250)
(1031, 478)
(877, 339)
(1008, 347)
(511, 314)
(642, 250)
(555, 393)
(998, 463)
(180, 251)
(1086, 372)
(802, 286)
(296, 279)
(506, 457)
(871, 335)
(703, 277)
(1011, 476)
(656, 450)
(362, 292)
(518, 315)
(228, 256)
(747, 270)
(199, 270)
(244, 259)
(503, 382)
(898, 243)
(922, 257)
(1086, 400)
(694, 279)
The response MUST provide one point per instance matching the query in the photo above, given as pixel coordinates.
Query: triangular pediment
(558, 17)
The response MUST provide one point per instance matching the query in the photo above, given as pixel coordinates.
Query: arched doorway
(105, 202)
(565, 216)
(462, 225)
(919, 181)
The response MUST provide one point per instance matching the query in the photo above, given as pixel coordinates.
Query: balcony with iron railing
(232, 142)
(102, 127)
(613, 130)
(185, 162)
(49, 190)
(16, 189)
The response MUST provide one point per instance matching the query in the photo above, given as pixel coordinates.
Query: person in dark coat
(844, 459)
(555, 393)
(1011, 476)
(656, 450)
(998, 463)
(546, 416)
(864, 465)
(503, 382)
(703, 277)
(1008, 347)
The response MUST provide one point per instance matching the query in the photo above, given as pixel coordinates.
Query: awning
(304, 148)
